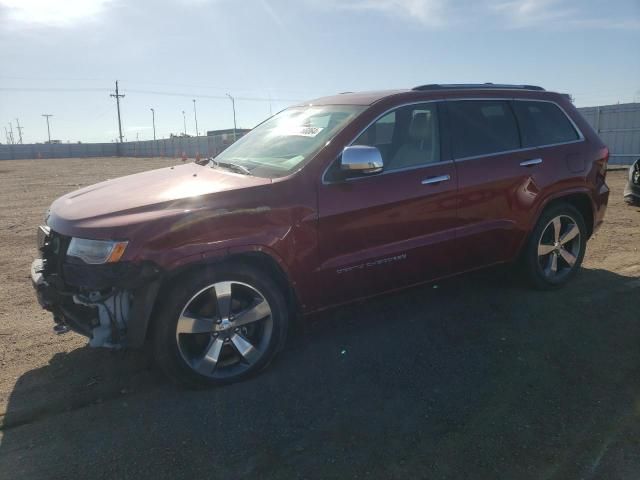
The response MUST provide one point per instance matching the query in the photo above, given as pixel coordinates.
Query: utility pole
(13, 142)
(184, 119)
(233, 105)
(19, 131)
(195, 116)
(47, 115)
(118, 96)
(153, 119)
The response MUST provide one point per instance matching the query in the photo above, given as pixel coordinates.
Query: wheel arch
(580, 200)
(253, 256)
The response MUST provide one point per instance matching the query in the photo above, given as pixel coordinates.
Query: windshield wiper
(231, 166)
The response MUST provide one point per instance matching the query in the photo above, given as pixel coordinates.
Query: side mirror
(361, 158)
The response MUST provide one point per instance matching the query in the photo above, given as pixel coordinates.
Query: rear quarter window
(543, 123)
(482, 127)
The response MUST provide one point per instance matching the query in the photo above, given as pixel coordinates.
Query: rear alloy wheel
(559, 247)
(222, 327)
(556, 247)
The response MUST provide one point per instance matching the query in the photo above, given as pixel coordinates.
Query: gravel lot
(475, 377)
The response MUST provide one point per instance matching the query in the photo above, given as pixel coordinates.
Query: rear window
(543, 123)
(482, 127)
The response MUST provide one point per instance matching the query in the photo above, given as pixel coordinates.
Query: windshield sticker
(303, 131)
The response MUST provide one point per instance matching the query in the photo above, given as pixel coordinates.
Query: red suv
(326, 202)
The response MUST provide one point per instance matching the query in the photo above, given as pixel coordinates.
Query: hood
(144, 196)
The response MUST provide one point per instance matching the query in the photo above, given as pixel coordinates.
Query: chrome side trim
(390, 172)
(517, 150)
(438, 179)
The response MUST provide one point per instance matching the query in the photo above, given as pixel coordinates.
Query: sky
(63, 57)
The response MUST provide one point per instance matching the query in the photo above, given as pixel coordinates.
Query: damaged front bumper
(111, 303)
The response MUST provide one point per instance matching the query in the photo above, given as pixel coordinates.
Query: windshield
(287, 140)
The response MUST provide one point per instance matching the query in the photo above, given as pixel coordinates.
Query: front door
(378, 232)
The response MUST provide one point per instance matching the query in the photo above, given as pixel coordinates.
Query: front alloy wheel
(219, 324)
(224, 329)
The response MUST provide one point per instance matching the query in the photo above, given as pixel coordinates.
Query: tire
(544, 244)
(197, 345)
(632, 201)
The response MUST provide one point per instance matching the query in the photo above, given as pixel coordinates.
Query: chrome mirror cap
(361, 158)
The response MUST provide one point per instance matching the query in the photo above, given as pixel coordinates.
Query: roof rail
(484, 86)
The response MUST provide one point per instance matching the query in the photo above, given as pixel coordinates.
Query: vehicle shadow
(475, 377)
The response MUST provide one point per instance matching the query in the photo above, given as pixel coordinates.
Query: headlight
(96, 251)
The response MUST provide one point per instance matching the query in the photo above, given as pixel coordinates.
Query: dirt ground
(475, 377)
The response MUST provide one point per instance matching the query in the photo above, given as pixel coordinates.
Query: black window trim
(441, 119)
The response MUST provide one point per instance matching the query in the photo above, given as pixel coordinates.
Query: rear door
(383, 231)
(494, 187)
(507, 154)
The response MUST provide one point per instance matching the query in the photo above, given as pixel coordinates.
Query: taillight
(603, 160)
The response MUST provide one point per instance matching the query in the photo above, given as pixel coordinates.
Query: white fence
(174, 147)
(619, 127)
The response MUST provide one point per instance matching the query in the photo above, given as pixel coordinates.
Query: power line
(51, 89)
(217, 97)
(146, 92)
(118, 96)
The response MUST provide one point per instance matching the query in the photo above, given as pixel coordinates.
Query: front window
(406, 137)
(286, 141)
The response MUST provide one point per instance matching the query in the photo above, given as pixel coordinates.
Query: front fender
(146, 297)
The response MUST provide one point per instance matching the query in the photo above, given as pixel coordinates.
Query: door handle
(530, 163)
(434, 180)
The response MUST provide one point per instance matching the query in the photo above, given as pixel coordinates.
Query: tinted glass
(481, 127)
(543, 123)
(406, 137)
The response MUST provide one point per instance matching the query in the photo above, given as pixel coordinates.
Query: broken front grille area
(53, 248)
